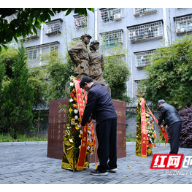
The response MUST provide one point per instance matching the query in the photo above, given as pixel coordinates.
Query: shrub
(186, 132)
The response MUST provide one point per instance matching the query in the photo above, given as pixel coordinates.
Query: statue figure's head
(94, 45)
(86, 38)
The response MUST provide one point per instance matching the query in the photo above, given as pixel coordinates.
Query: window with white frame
(183, 25)
(144, 11)
(138, 86)
(36, 53)
(54, 49)
(32, 54)
(146, 32)
(142, 58)
(80, 21)
(111, 14)
(53, 27)
(112, 37)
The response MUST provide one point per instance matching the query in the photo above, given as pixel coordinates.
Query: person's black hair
(85, 79)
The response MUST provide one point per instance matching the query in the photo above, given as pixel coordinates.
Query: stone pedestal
(57, 128)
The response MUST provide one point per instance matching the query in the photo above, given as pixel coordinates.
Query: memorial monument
(86, 64)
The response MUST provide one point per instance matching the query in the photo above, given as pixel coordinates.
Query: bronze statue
(96, 65)
(79, 55)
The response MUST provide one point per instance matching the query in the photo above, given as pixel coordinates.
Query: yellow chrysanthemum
(76, 127)
(80, 136)
(70, 110)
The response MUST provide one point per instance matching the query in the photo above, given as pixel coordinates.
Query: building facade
(140, 30)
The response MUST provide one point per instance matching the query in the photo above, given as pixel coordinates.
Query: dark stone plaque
(57, 127)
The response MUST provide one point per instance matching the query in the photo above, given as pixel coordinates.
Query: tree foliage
(59, 68)
(2, 97)
(28, 20)
(19, 98)
(116, 73)
(169, 76)
(39, 85)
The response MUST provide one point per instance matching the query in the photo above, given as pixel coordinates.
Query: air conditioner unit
(117, 17)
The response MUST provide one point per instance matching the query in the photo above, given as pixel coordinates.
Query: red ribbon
(144, 129)
(93, 135)
(83, 148)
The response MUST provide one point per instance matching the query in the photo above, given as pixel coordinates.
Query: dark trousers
(174, 135)
(107, 144)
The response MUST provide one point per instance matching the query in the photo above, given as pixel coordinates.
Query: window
(36, 53)
(112, 37)
(141, 58)
(144, 11)
(111, 14)
(146, 32)
(80, 21)
(32, 54)
(183, 25)
(54, 49)
(138, 87)
(53, 27)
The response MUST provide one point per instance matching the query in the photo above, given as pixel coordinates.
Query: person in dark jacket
(169, 114)
(100, 107)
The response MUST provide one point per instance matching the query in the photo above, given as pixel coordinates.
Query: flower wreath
(151, 134)
(74, 122)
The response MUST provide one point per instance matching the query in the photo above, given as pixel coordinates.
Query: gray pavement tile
(29, 163)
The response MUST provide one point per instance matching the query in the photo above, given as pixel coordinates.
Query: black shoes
(103, 173)
(98, 173)
(112, 170)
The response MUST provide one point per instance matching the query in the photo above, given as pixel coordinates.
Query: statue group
(88, 64)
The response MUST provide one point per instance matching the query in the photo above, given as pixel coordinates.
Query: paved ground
(28, 163)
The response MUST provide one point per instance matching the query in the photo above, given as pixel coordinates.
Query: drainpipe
(41, 40)
(165, 27)
(95, 21)
(126, 44)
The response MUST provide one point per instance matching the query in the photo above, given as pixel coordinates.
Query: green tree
(39, 85)
(9, 58)
(2, 98)
(59, 69)
(25, 21)
(169, 76)
(19, 98)
(116, 72)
